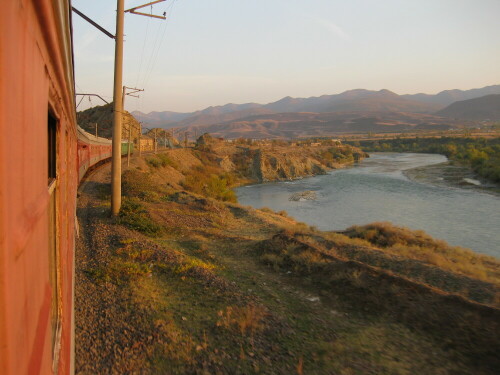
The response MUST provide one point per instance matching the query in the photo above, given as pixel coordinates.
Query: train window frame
(51, 147)
(53, 229)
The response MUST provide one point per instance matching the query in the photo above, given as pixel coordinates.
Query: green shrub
(135, 216)
(138, 184)
(209, 185)
(118, 271)
(166, 161)
(153, 162)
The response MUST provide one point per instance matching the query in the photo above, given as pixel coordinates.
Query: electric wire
(151, 61)
(147, 65)
(155, 43)
(143, 47)
(156, 51)
(154, 56)
(148, 61)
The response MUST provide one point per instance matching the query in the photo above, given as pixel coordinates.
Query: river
(377, 189)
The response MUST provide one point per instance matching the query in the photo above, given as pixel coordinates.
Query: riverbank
(482, 155)
(450, 174)
(186, 283)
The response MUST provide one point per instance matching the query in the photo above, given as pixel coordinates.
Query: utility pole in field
(140, 135)
(116, 166)
(116, 189)
(131, 93)
(128, 145)
(156, 141)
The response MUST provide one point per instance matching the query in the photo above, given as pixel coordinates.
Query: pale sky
(214, 52)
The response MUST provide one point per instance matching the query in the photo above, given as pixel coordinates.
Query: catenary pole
(116, 166)
(128, 146)
(129, 122)
(140, 134)
(156, 142)
(116, 189)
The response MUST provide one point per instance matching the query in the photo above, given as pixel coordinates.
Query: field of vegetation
(185, 280)
(481, 154)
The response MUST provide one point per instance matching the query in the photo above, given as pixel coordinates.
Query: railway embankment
(186, 280)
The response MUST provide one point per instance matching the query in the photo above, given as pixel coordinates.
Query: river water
(377, 190)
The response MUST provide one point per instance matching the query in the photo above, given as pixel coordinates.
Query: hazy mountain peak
(387, 92)
(363, 93)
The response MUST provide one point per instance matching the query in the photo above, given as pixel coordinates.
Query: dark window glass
(52, 129)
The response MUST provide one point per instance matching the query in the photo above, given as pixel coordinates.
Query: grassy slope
(205, 286)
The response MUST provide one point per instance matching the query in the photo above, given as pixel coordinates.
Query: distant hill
(310, 124)
(217, 118)
(103, 116)
(160, 118)
(447, 97)
(484, 108)
(358, 100)
(353, 100)
(209, 115)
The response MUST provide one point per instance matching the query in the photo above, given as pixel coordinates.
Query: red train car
(43, 156)
(91, 150)
(38, 185)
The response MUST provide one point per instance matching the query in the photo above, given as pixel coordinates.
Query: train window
(54, 261)
(52, 152)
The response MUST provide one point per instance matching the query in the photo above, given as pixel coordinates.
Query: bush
(153, 162)
(213, 186)
(166, 161)
(136, 217)
(118, 271)
(138, 184)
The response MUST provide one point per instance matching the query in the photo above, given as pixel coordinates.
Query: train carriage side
(91, 151)
(38, 185)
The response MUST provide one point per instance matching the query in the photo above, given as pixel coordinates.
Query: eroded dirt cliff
(270, 162)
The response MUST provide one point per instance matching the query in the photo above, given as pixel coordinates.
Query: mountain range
(359, 100)
(294, 125)
(484, 108)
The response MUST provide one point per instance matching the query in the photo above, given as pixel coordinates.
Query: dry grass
(191, 263)
(247, 319)
(420, 246)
